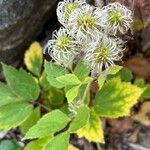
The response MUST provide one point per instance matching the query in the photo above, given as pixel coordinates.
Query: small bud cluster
(89, 33)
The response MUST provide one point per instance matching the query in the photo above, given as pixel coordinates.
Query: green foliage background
(50, 104)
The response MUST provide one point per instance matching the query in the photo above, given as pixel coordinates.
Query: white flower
(115, 17)
(66, 7)
(84, 22)
(104, 53)
(83, 45)
(62, 47)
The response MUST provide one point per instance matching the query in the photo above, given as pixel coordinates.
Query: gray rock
(20, 23)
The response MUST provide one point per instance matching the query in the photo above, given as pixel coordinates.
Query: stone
(21, 21)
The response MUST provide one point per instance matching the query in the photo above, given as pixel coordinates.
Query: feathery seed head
(86, 20)
(62, 47)
(89, 33)
(66, 7)
(115, 17)
(63, 43)
(103, 54)
(71, 7)
(83, 22)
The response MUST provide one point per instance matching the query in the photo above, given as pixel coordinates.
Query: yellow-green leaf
(53, 71)
(33, 58)
(6, 95)
(82, 70)
(59, 142)
(37, 144)
(87, 80)
(80, 119)
(93, 130)
(111, 72)
(114, 69)
(72, 93)
(49, 124)
(13, 114)
(116, 98)
(32, 119)
(21, 83)
(68, 79)
(101, 80)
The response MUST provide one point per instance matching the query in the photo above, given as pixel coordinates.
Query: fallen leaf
(139, 66)
(120, 125)
(143, 116)
(72, 147)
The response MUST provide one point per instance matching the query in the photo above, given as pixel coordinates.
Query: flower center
(70, 7)
(102, 54)
(63, 43)
(115, 17)
(86, 21)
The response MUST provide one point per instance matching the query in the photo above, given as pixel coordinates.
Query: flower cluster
(89, 33)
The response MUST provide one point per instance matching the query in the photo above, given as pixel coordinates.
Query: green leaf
(13, 114)
(146, 93)
(87, 80)
(49, 124)
(116, 98)
(53, 97)
(53, 71)
(72, 93)
(37, 144)
(32, 119)
(6, 95)
(126, 75)
(22, 83)
(44, 84)
(81, 70)
(93, 130)
(64, 109)
(59, 142)
(101, 80)
(9, 145)
(80, 119)
(68, 79)
(141, 83)
(82, 92)
(33, 58)
(110, 73)
(114, 69)
(138, 25)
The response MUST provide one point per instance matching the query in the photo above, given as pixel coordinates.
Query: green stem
(86, 91)
(98, 146)
(42, 106)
